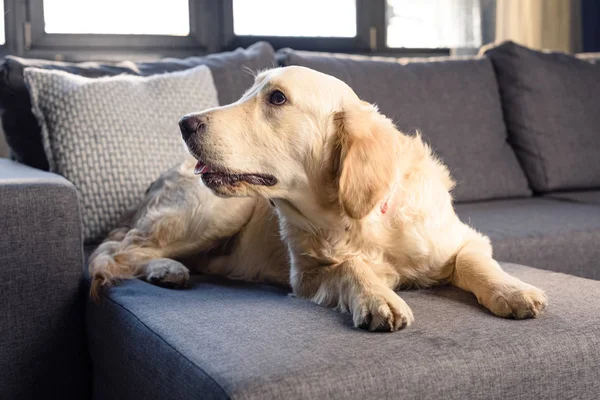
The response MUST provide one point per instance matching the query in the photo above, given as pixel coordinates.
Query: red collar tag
(384, 207)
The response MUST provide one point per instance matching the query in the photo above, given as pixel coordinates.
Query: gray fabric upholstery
(42, 341)
(23, 133)
(112, 137)
(590, 196)
(221, 340)
(542, 233)
(550, 103)
(455, 104)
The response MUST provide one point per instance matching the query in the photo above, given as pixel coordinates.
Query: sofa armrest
(42, 344)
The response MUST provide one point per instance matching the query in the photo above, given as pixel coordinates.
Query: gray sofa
(519, 131)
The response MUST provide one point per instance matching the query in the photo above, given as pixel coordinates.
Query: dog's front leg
(504, 295)
(353, 286)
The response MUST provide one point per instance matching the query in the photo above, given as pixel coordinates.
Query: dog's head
(297, 135)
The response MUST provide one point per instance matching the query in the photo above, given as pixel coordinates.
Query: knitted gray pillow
(112, 137)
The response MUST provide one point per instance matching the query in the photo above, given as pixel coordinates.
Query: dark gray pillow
(455, 105)
(23, 132)
(551, 106)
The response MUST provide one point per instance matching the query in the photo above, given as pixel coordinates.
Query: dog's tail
(122, 255)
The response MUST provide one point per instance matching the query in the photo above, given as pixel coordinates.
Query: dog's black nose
(191, 124)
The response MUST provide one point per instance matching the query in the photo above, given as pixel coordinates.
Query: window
(83, 29)
(430, 24)
(2, 31)
(158, 26)
(334, 18)
(321, 25)
(125, 17)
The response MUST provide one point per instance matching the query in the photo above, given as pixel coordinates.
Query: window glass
(433, 23)
(308, 18)
(2, 38)
(139, 17)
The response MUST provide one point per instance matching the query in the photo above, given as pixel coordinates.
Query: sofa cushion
(454, 103)
(113, 136)
(551, 103)
(589, 196)
(543, 233)
(23, 133)
(220, 340)
(43, 348)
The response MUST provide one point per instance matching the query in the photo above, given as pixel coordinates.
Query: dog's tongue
(201, 168)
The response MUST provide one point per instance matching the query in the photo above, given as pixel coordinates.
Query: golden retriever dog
(305, 185)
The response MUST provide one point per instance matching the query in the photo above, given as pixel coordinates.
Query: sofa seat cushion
(220, 340)
(543, 233)
(551, 103)
(588, 196)
(454, 103)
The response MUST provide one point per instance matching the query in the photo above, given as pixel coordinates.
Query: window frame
(343, 44)
(200, 11)
(370, 39)
(211, 31)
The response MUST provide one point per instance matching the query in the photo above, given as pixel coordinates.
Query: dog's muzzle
(192, 124)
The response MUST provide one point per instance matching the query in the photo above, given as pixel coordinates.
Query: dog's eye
(277, 98)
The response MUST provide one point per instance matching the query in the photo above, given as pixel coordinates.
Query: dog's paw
(518, 301)
(167, 273)
(382, 311)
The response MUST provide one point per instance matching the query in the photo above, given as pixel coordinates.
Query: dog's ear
(368, 155)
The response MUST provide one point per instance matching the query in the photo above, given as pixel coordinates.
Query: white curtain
(540, 24)
(434, 23)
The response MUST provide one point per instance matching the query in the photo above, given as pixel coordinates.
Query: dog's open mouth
(213, 177)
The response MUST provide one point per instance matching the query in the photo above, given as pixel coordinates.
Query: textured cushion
(23, 133)
(543, 233)
(591, 196)
(43, 351)
(113, 136)
(454, 103)
(551, 103)
(221, 340)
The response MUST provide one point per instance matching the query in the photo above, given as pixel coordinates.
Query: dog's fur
(359, 209)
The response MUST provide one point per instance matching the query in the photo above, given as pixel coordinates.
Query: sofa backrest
(453, 102)
(21, 128)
